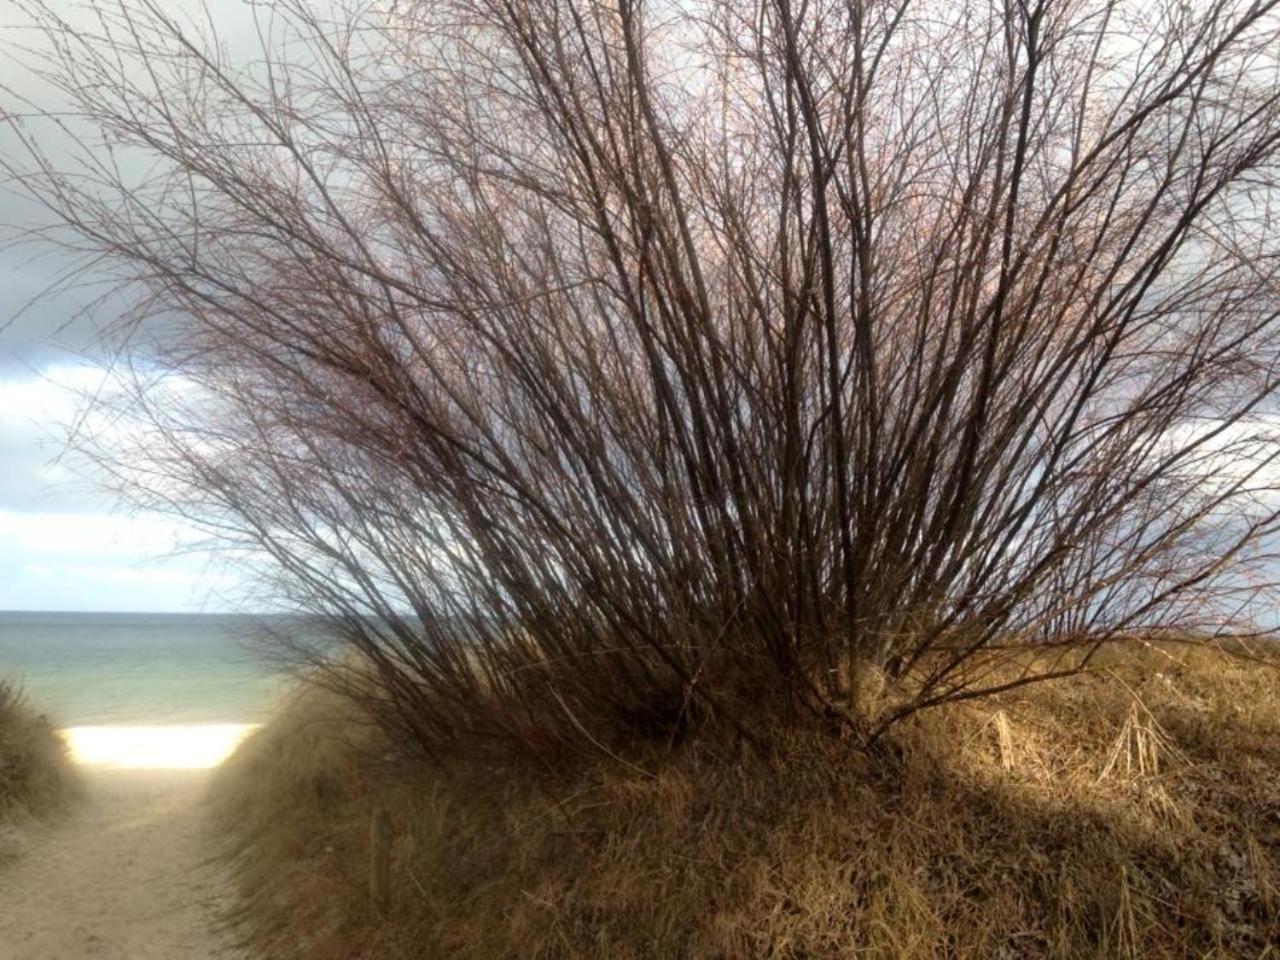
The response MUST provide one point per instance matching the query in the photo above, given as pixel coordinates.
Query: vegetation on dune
(35, 771)
(1127, 812)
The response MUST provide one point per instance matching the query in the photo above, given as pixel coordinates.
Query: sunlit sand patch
(185, 747)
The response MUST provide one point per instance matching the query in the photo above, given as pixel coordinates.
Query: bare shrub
(605, 367)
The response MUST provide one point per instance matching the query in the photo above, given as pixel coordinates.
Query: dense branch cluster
(604, 366)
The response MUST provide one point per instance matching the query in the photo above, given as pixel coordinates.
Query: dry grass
(1134, 812)
(36, 777)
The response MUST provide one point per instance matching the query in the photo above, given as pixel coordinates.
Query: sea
(152, 669)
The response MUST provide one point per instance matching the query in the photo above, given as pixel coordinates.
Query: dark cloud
(39, 327)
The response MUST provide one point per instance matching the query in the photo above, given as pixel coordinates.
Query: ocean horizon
(141, 669)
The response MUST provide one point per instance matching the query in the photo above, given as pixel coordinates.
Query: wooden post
(380, 862)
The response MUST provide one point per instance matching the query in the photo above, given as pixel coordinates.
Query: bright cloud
(64, 543)
(86, 561)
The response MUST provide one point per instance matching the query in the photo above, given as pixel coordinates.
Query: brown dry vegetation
(35, 773)
(1130, 811)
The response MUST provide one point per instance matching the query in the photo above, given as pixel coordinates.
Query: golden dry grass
(35, 772)
(1133, 812)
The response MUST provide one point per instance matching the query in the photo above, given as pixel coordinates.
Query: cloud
(36, 411)
(64, 543)
(145, 536)
(77, 561)
(39, 327)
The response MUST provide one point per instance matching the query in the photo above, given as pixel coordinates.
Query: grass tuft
(36, 776)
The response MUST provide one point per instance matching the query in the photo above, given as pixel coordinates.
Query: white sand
(190, 747)
(126, 876)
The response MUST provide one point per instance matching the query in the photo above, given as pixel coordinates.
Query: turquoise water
(108, 668)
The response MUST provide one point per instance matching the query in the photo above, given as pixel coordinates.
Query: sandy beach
(125, 875)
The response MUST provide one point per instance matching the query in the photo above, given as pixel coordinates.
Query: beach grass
(1130, 812)
(36, 774)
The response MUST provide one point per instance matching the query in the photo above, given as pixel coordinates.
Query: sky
(66, 542)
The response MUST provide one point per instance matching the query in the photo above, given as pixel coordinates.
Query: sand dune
(126, 875)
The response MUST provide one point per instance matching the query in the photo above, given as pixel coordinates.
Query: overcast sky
(65, 542)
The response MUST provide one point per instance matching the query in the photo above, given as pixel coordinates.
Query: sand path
(124, 877)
